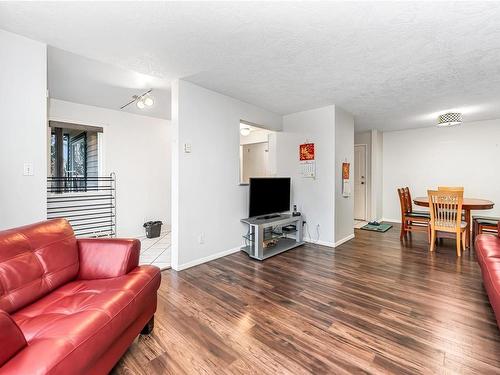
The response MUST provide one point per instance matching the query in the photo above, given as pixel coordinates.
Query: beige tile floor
(156, 251)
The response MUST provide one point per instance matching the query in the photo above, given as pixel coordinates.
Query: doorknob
(362, 183)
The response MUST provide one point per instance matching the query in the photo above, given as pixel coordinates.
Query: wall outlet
(201, 238)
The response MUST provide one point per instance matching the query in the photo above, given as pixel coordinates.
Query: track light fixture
(141, 101)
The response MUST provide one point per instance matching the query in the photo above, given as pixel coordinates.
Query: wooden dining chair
(451, 188)
(446, 216)
(411, 221)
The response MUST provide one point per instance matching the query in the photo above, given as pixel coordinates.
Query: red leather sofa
(67, 305)
(487, 248)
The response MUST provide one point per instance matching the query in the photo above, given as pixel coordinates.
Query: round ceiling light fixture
(245, 131)
(449, 119)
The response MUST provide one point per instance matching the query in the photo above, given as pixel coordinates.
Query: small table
(468, 205)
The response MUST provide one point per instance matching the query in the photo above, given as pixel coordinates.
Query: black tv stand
(267, 217)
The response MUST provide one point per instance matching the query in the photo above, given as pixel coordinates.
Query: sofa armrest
(106, 258)
(11, 337)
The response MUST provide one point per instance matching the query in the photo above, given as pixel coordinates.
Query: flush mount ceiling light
(449, 119)
(141, 101)
(245, 131)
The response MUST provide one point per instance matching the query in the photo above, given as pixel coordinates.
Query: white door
(360, 182)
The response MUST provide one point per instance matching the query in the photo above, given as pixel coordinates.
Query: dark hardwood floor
(371, 305)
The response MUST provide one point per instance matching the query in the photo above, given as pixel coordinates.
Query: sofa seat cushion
(81, 316)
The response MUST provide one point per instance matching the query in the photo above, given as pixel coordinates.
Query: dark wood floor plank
(372, 305)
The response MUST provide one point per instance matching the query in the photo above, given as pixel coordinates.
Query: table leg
(468, 221)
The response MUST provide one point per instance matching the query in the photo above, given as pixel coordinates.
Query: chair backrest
(409, 203)
(402, 201)
(405, 200)
(446, 209)
(34, 260)
(451, 188)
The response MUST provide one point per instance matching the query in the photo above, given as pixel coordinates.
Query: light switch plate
(187, 148)
(28, 169)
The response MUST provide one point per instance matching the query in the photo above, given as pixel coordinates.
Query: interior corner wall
(315, 198)
(207, 199)
(344, 152)
(138, 149)
(377, 156)
(23, 123)
(365, 138)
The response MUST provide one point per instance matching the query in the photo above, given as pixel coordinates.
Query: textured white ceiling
(81, 80)
(391, 64)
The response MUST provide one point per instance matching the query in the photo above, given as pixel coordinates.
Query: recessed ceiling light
(449, 119)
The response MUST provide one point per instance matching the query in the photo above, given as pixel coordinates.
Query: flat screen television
(269, 195)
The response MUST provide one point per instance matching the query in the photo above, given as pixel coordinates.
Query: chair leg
(433, 240)
(459, 253)
(429, 234)
(403, 230)
(464, 238)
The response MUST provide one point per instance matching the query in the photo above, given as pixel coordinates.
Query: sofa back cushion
(34, 260)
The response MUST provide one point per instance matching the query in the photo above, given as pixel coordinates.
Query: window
(74, 156)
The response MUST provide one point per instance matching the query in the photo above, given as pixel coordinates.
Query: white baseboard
(318, 242)
(205, 259)
(330, 244)
(343, 240)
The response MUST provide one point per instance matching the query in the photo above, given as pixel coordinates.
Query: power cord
(309, 234)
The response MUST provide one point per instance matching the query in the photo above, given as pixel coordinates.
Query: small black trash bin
(153, 229)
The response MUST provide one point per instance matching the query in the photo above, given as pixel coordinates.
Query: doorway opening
(254, 152)
(360, 186)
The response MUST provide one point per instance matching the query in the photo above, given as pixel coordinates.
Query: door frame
(365, 146)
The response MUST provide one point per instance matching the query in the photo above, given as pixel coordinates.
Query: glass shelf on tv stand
(270, 235)
(266, 238)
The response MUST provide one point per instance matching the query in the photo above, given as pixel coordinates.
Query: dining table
(468, 205)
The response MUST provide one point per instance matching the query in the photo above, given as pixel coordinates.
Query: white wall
(344, 152)
(315, 198)
(138, 149)
(365, 138)
(207, 200)
(23, 125)
(422, 159)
